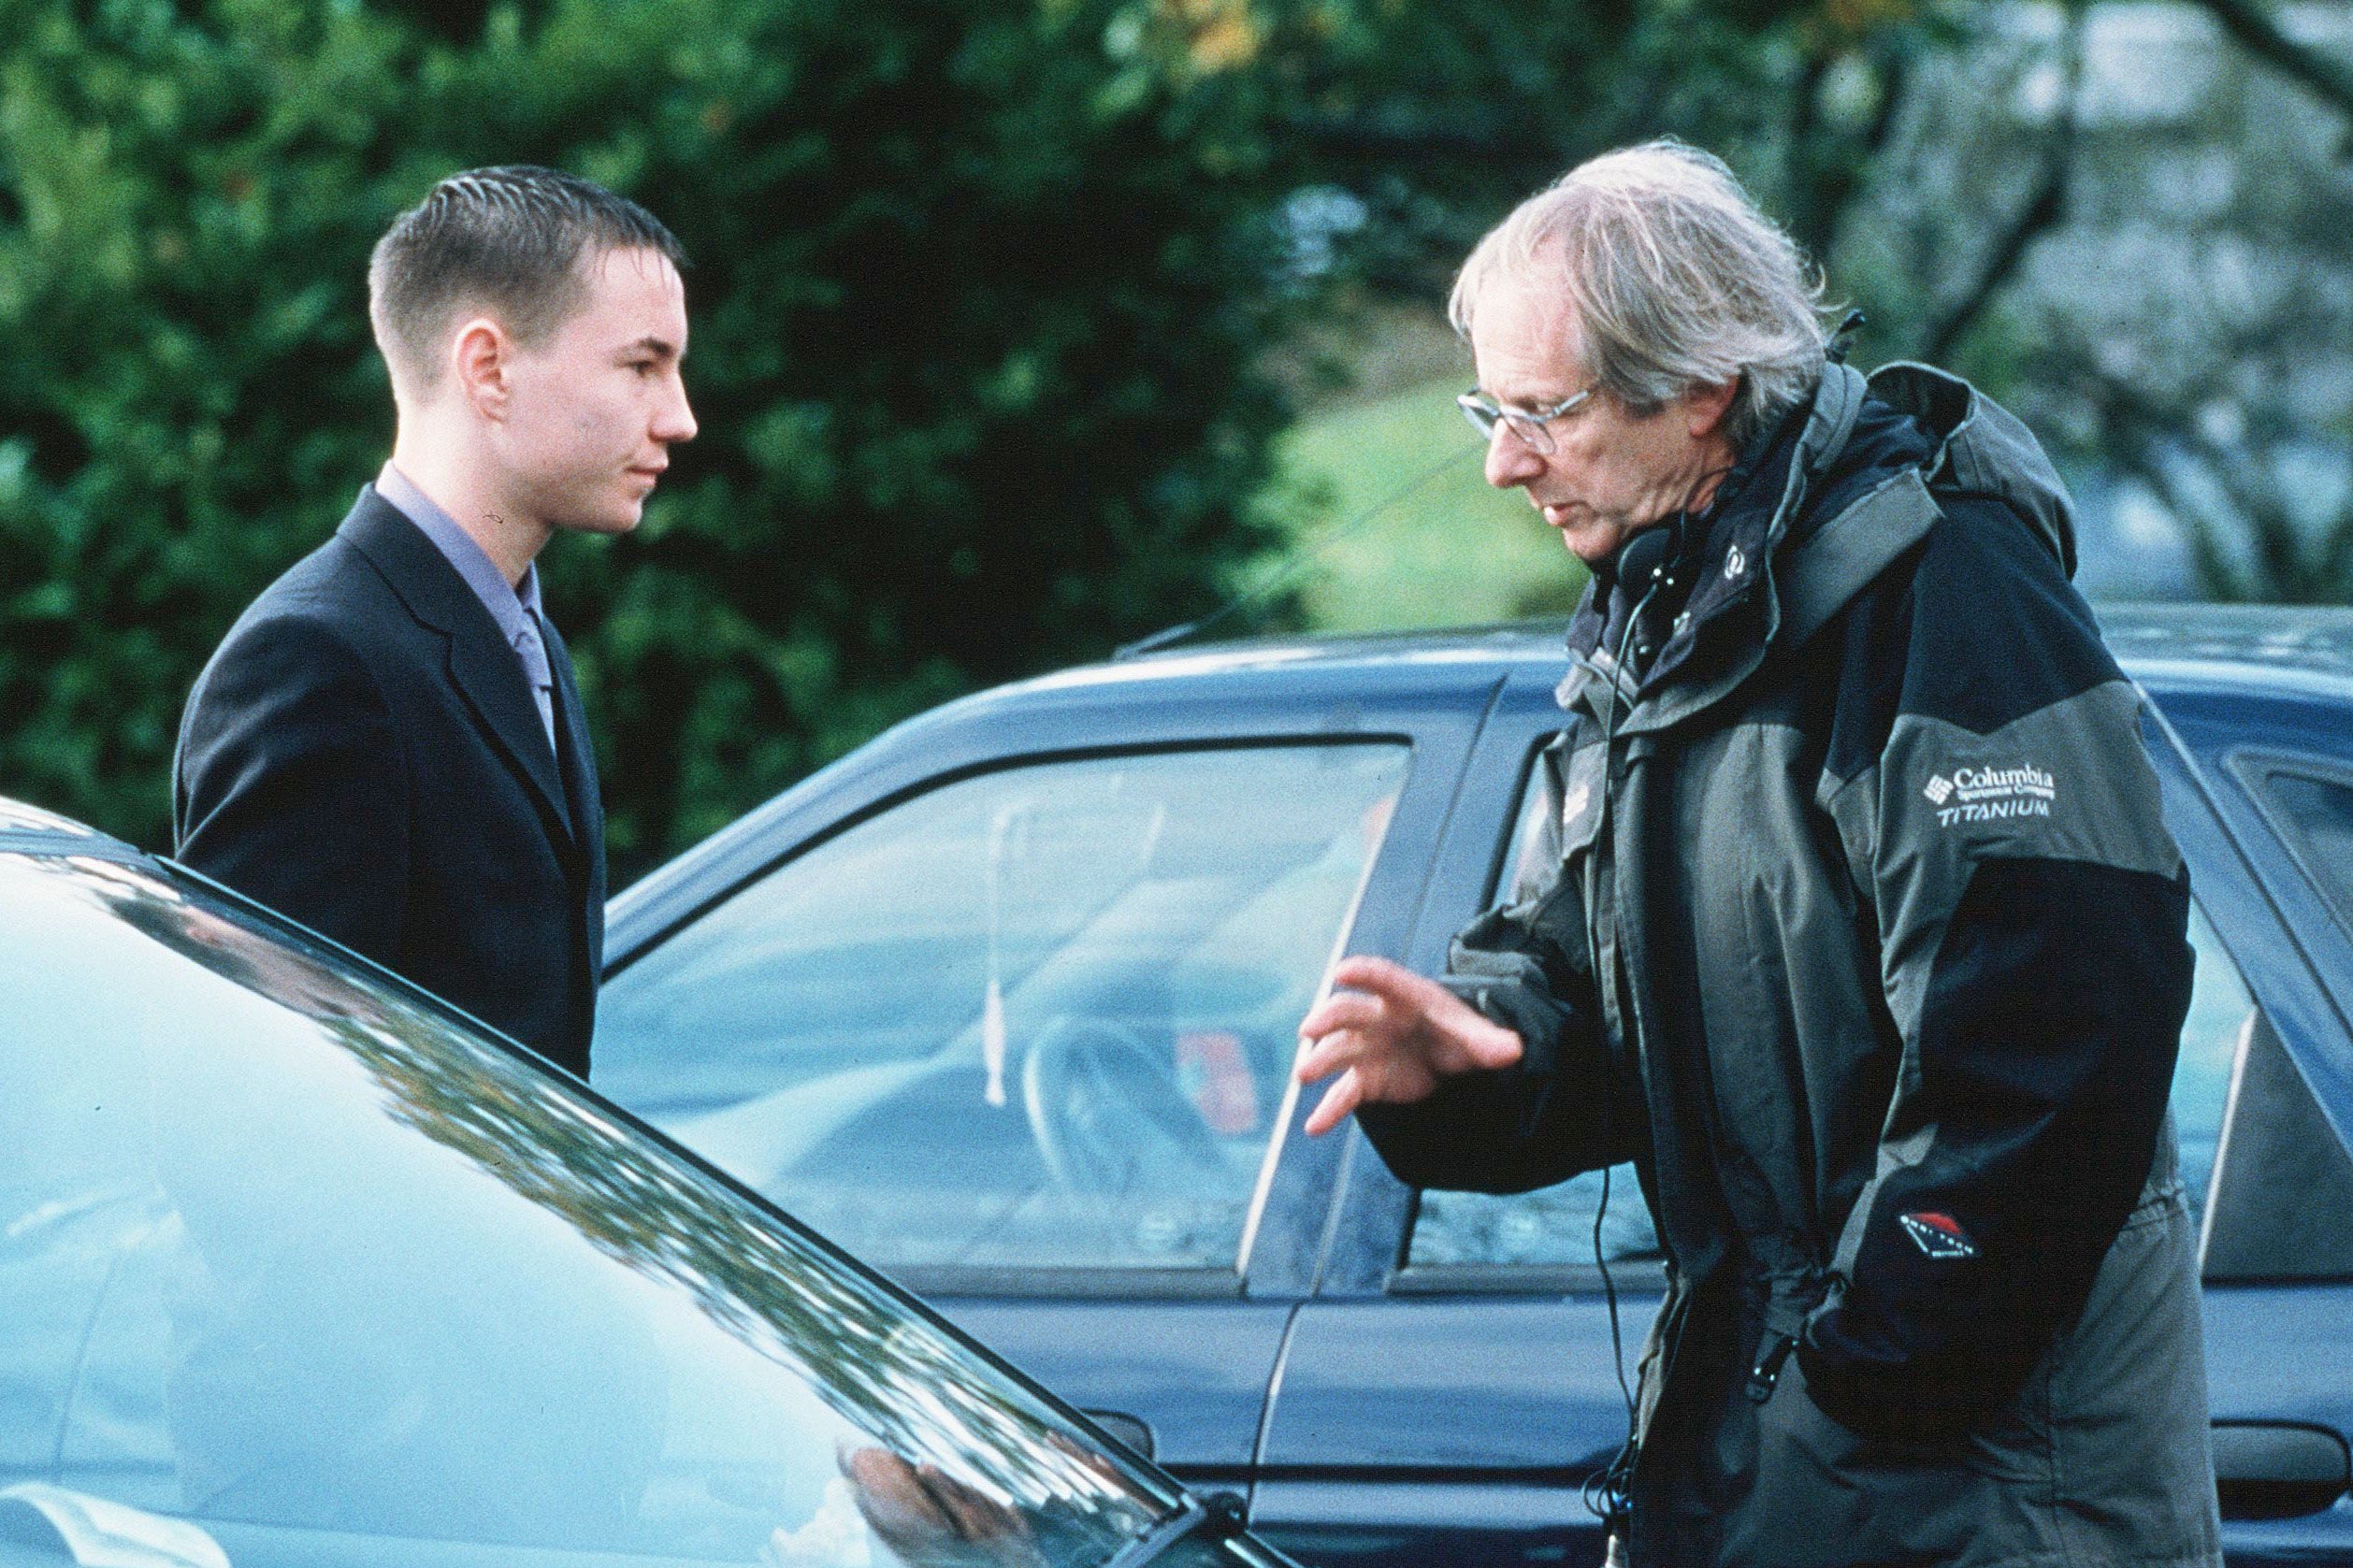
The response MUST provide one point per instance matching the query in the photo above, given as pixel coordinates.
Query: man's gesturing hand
(1391, 1035)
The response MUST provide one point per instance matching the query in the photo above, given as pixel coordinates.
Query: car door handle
(2275, 1470)
(1134, 1432)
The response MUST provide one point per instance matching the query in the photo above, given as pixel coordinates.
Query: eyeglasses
(1485, 413)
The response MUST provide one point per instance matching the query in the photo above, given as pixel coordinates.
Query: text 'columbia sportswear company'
(1989, 794)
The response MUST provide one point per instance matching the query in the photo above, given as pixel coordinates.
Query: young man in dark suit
(388, 745)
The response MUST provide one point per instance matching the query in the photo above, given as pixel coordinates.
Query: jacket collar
(481, 666)
(1763, 544)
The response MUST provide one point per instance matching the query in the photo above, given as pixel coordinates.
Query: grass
(1392, 526)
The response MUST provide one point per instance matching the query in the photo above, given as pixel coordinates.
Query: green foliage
(1395, 526)
(977, 292)
(1441, 115)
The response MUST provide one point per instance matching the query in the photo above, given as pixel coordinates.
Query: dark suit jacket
(364, 755)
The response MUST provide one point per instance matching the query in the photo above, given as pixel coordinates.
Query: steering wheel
(1108, 1115)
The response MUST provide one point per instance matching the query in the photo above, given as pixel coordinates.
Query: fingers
(1369, 1035)
(1446, 1033)
(1389, 1035)
(1375, 1000)
(1484, 1044)
(1392, 982)
(1338, 1103)
(976, 1517)
(924, 1514)
(1335, 1050)
(1344, 1010)
(892, 1498)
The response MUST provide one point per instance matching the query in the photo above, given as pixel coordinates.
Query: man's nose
(1510, 461)
(676, 422)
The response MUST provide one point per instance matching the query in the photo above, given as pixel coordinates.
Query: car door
(1458, 1377)
(1005, 1005)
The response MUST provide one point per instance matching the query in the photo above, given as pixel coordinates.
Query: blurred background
(1025, 329)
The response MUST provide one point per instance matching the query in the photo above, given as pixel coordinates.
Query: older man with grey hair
(1860, 934)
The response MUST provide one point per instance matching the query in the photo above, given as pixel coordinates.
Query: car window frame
(2243, 907)
(1206, 1282)
(1291, 1229)
(2309, 1001)
(2252, 769)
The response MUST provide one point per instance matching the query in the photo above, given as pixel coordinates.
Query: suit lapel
(482, 667)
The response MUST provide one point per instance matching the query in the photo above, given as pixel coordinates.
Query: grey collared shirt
(514, 606)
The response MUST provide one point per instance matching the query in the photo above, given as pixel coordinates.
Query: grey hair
(1676, 278)
(506, 239)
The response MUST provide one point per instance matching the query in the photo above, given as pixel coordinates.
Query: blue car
(1006, 1001)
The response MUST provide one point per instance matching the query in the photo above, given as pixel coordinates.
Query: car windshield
(296, 1268)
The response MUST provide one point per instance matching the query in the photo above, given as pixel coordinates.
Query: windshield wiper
(1217, 1515)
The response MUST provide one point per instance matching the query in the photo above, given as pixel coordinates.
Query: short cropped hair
(1677, 280)
(505, 240)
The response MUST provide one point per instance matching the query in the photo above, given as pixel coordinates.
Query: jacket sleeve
(1562, 1107)
(288, 782)
(2003, 821)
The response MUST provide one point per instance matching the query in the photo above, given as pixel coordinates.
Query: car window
(1554, 1226)
(2315, 815)
(291, 1261)
(2283, 1180)
(1039, 1017)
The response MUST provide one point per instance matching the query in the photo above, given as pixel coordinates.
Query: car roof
(2277, 646)
(2253, 646)
(2248, 647)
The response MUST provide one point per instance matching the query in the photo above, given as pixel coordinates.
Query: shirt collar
(506, 602)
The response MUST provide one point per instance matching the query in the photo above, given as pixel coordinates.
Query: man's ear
(1705, 405)
(480, 357)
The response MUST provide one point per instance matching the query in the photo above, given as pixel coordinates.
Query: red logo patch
(1939, 1235)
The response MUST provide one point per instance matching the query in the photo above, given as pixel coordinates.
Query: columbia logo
(1939, 1236)
(1991, 794)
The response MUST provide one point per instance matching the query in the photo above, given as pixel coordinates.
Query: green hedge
(978, 288)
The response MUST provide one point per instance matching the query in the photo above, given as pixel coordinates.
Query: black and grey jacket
(1866, 944)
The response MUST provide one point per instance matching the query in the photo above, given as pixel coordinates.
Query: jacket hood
(1984, 448)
